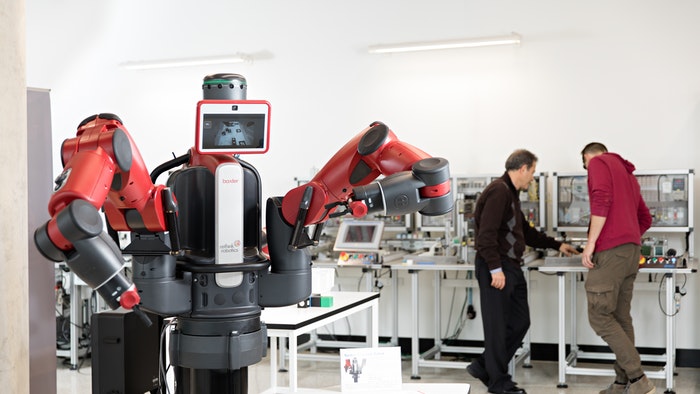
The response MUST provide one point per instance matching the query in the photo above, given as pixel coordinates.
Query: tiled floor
(541, 379)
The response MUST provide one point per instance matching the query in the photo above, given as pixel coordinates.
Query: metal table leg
(273, 362)
(414, 316)
(437, 338)
(562, 329)
(574, 331)
(670, 330)
(293, 378)
(395, 294)
(528, 340)
(75, 316)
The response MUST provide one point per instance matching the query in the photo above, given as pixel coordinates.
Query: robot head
(228, 123)
(225, 86)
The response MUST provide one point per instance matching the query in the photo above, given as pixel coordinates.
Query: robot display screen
(233, 126)
(359, 235)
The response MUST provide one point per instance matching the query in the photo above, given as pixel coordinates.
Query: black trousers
(505, 315)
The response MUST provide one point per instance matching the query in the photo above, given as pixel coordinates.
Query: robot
(174, 230)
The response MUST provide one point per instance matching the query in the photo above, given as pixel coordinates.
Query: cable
(168, 165)
(449, 315)
(359, 282)
(662, 284)
(163, 371)
(547, 273)
(461, 320)
(64, 332)
(658, 187)
(685, 281)
(331, 333)
(377, 276)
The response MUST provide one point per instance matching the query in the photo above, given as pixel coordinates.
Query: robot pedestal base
(202, 381)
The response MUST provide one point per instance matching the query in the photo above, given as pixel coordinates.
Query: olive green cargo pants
(609, 287)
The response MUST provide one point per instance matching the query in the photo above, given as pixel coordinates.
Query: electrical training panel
(667, 193)
(532, 201)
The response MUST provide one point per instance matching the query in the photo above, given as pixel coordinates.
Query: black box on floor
(124, 353)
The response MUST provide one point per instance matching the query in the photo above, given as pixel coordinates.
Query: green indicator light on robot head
(217, 81)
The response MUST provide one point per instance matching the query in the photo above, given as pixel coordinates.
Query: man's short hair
(519, 158)
(594, 147)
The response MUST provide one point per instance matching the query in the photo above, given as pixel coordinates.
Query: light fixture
(513, 38)
(186, 62)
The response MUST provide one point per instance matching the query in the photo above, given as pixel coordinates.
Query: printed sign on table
(370, 369)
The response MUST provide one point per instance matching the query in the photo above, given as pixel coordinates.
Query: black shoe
(512, 390)
(478, 372)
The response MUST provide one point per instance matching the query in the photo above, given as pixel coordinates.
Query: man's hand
(498, 280)
(568, 250)
(594, 230)
(587, 255)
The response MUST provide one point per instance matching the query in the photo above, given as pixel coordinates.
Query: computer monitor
(359, 235)
(233, 127)
(439, 223)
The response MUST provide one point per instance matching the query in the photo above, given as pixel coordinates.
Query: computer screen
(233, 126)
(438, 223)
(359, 235)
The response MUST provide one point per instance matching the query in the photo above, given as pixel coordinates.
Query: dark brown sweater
(500, 227)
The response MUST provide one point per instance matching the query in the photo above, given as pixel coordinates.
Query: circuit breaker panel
(532, 201)
(669, 198)
(468, 189)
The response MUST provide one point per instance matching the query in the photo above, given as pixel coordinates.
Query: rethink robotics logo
(230, 247)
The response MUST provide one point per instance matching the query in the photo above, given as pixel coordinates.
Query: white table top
(442, 263)
(573, 264)
(292, 317)
(412, 388)
(430, 263)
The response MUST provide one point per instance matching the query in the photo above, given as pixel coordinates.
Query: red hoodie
(614, 194)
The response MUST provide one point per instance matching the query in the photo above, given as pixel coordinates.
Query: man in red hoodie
(619, 217)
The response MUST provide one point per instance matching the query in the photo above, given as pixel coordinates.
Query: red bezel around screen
(232, 127)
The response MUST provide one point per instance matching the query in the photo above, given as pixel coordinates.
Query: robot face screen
(233, 126)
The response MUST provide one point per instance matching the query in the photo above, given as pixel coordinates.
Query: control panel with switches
(359, 258)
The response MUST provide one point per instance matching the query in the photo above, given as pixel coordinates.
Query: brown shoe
(615, 388)
(642, 386)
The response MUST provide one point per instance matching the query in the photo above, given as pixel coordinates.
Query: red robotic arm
(103, 166)
(414, 181)
(102, 169)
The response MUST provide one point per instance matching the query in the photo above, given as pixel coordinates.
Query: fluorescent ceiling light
(187, 62)
(513, 38)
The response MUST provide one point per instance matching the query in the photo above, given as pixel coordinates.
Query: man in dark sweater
(619, 217)
(502, 232)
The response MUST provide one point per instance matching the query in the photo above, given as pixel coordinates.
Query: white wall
(624, 73)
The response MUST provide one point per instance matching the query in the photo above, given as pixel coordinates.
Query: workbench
(432, 357)
(291, 321)
(567, 362)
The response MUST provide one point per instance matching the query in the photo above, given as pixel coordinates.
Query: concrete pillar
(14, 324)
